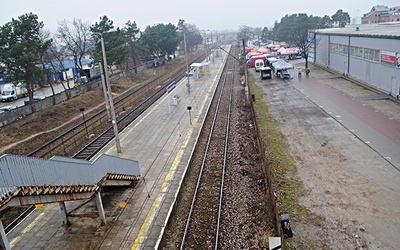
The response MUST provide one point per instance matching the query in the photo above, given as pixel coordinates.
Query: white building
(369, 53)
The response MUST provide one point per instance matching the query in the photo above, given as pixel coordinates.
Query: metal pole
(113, 121)
(212, 47)
(245, 73)
(103, 83)
(187, 65)
(84, 121)
(205, 37)
(3, 238)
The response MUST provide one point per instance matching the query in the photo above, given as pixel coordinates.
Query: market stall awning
(282, 65)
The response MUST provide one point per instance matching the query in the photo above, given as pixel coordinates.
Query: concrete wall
(10, 116)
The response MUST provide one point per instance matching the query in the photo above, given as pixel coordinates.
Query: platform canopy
(200, 69)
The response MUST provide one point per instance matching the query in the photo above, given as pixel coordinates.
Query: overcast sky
(205, 14)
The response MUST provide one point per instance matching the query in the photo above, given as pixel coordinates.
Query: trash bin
(253, 97)
(285, 226)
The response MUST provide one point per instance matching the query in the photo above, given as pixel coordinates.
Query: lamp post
(113, 119)
(205, 44)
(84, 121)
(212, 50)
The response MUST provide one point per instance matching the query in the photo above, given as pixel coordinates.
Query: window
(334, 47)
(343, 49)
(356, 51)
(371, 54)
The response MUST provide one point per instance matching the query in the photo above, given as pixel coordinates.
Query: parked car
(7, 108)
(285, 75)
(35, 99)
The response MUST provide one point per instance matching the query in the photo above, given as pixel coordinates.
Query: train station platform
(162, 141)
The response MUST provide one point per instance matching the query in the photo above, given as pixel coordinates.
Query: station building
(369, 53)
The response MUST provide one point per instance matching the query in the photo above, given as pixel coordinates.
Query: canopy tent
(280, 49)
(288, 51)
(282, 65)
(263, 50)
(248, 50)
(271, 46)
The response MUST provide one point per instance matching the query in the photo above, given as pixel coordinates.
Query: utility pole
(103, 83)
(245, 73)
(187, 65)
(110, 99)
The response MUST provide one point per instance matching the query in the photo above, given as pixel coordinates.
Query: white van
(258, 64)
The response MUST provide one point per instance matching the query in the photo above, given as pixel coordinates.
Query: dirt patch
(352, 189)
(26, 134)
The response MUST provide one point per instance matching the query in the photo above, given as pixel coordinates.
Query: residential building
(381, 14)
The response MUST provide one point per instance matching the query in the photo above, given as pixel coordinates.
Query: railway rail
(85, 139)
(218, 220)
(76, 143)
(224, 201)
(203, 223)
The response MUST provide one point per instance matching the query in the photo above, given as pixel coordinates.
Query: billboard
(390, 58)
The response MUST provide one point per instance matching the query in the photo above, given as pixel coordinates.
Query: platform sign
(171, 86)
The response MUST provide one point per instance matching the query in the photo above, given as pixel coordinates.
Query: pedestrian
(307, 71)
(299, 72)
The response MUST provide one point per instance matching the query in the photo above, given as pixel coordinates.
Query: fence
(20, 112)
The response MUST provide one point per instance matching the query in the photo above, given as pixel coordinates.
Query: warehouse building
(369, 53)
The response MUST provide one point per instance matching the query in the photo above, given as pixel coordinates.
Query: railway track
(75, 142)
(223, 202)
(203, 223)
(85, 139)
(224, 215)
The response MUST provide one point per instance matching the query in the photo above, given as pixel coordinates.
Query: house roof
(67, 64)
(379, 30)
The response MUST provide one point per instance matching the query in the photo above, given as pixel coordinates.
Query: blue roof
(67, 64)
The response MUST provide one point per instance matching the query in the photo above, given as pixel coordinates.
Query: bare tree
(45, 59)
(77, 39)
(57, 54)
(257, 32)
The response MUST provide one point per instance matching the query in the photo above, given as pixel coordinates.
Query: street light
(113, 119)
(84, 121)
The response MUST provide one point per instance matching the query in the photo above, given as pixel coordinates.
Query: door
(395, 87)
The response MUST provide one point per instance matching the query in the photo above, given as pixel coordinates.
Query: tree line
(294, 30)
(26, 47)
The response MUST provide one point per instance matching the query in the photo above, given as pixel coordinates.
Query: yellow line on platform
(163, 191)
(166, 183)
(27, 230)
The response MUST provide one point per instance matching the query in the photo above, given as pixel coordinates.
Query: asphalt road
(377, 130)
(345, 142)
(38, 92)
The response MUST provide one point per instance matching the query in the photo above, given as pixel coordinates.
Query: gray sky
(205, 14)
